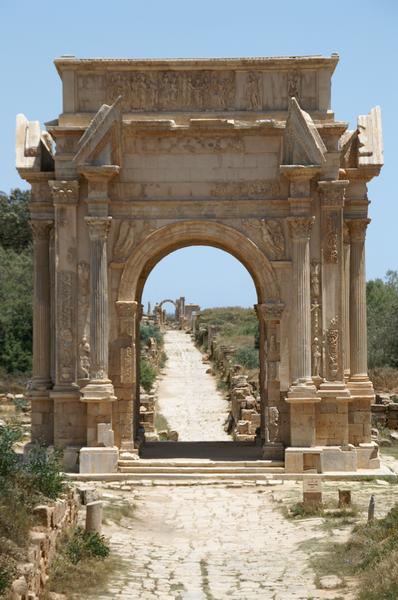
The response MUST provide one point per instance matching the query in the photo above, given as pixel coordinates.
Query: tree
(15, 232)
(382, 306)
(15, 282)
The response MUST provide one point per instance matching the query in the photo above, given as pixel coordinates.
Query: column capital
(346, 232)
(333, 192)
(300, 227)
(64, 192)
(41, 229)
(98, 227)
(357, 228)
(269, 311)
(127, 309)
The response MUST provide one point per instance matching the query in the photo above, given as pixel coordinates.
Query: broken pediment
(302, 143)
(100, 140)
(363, 147)
(34, 150)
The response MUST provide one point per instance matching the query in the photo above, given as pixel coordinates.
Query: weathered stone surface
(241, 154)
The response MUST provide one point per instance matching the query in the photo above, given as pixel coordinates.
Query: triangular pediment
(363, 147)
(302, 143)
(34, 150)
(96, 145)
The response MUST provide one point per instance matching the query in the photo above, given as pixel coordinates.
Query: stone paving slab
(210, 543)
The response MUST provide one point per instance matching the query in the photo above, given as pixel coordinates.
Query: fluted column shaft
(300, 228)
(358, 331)
(41, 305)
(346, 301)
(98, 232)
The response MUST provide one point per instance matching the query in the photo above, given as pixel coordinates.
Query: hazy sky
(363, 32)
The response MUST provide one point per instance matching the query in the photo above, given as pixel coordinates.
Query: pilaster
(332, 413)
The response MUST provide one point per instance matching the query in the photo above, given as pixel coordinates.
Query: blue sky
(362, 32)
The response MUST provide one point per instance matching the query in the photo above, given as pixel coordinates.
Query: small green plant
(148, 374)
(247, 356)
(44, 470)
(21, 404)
(83, 545)
(151, 331)
(9, 435)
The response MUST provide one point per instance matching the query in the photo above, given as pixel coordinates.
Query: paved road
(188, 396)
(210, 543)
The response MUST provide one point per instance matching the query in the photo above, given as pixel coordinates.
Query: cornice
(271, 63)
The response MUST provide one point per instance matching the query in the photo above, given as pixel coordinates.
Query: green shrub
(151, 331)
(82, 545)
(247, 356)
(147, 375)
(43, 468)
(8, 458)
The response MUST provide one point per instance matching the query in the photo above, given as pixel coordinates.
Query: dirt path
(188, 396)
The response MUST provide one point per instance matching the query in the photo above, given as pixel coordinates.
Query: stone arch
(172, 237)
(167, 300)
(143, 259)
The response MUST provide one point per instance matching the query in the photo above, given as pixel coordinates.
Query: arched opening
(163, 242)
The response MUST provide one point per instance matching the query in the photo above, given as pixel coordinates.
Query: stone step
(197, 476)
(200, 463)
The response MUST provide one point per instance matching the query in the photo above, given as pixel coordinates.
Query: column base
(332, 414)
(42, 411)
(302, 399)
(360, 386)
(98, 460)
(69, 418)
(327, 459)
(98, 391)
(273, 451)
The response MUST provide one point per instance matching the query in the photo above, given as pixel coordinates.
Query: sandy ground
(187, 396)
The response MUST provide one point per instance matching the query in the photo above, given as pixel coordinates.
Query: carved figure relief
(84, 359)
(126, 365)
(332, 339)
(65, 339)
(143, 90)
(273, 424)
(293, 84)
(270, 235)
(331, 252)
(253, 91)
(316, 345)
(83, 273)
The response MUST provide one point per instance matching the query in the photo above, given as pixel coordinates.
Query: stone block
(293, 461)
(98, 460)
(43, 515)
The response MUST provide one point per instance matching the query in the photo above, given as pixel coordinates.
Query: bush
(43, 469)
(8, 458)
(382, 307)
(247, 356)
(147, 375)
(151, 331)
(83, 545)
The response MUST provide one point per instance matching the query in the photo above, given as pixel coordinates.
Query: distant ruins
(240, 154)
(185, 314)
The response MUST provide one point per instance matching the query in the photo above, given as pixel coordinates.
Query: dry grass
(385, 379)
(370, 555)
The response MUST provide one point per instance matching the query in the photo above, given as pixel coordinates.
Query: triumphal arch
(241, 154)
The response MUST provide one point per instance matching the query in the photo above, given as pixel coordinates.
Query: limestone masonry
(240, 154)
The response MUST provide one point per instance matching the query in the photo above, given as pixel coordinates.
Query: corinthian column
(358, 331)
(99, 387)
(300, 229)
(41, 305)
(302, 394)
